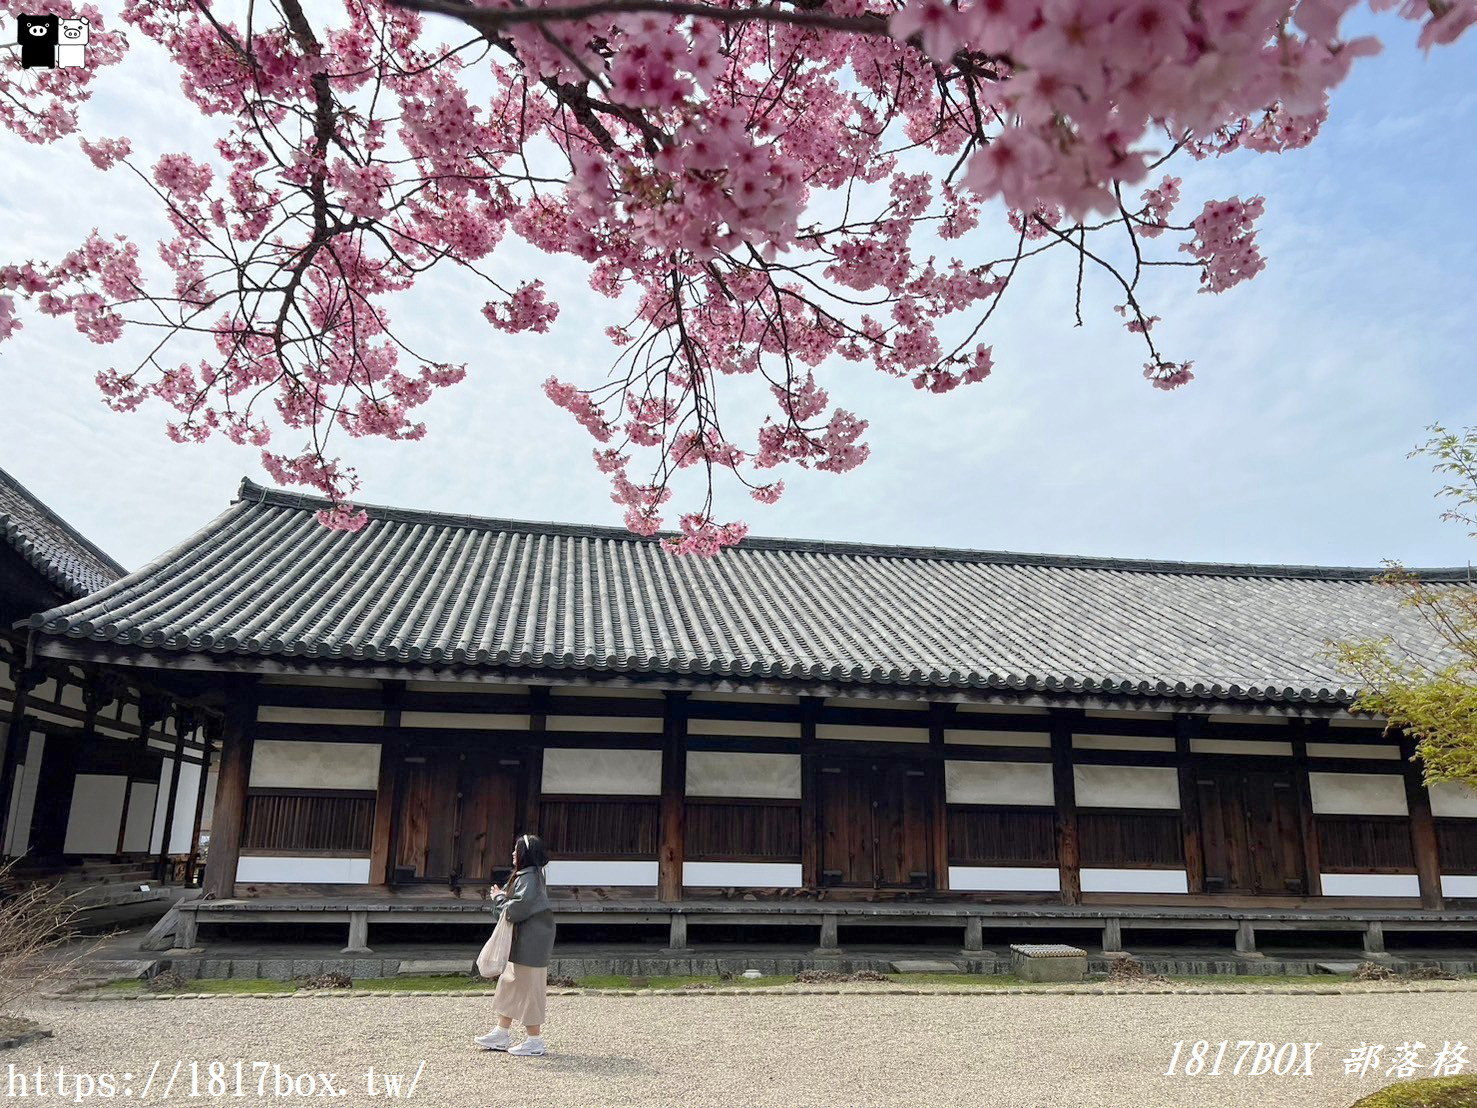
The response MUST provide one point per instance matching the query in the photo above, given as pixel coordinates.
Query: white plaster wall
(345, 717)
(1022, 879)
(998, 783)
(720, 773)
(620, 725)
(268, 869)
(757, 729)
(1127, 786)
(1353, 750)
(1452, 798)
(1371, 884)
(1122, 742)
(97, 808)
(576, 872)
(289, 764)
(598, 772)
(1459, 886)
(17, 838)
(184, 809)
(161, 801)
(1358, 794)
(1241, 746)
(745, 875)
(962, 737)
(848, 733)
(470, 721)
(1135, 881)
(141, 821)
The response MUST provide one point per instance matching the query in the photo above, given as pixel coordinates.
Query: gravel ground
(756, 1049)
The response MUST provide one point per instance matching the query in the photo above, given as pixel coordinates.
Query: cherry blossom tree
(773, 185)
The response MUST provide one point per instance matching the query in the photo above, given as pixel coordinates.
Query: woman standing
(522, 987)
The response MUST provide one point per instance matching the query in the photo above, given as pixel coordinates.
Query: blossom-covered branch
(776, 187)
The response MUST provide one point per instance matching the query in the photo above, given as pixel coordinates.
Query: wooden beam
(391, 695)
(533, 760)
(671, 850)
(1302, 732)
(938, 816)
(1064, 787)
(1186, 728)
(208, 736)
(185, 722)
(1422, 830)
(810, 816)
(227, 821)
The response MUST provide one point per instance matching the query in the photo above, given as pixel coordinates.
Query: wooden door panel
(846, 833)
(426, 816)
(901, 806)
(1251, 832)
(488, 820)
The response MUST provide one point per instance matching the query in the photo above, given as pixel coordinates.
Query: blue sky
(1313, 381)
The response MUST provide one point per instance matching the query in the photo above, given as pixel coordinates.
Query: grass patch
(616, 981)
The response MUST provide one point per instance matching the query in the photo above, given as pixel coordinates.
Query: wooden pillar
(810, 824)
(670, 851)
(1302, 731)
(381, 866)
(208, 736)
(17, 738)
(1112, 936)
(1064, 787)
(1422, 829)
(227, 822)
(186, 721)
(1187, 728)
(938, 720)
(533, 759)
(54, 786)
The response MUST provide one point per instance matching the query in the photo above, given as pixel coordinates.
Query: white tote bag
(494, 956)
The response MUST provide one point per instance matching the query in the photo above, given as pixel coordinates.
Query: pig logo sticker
(48, 41)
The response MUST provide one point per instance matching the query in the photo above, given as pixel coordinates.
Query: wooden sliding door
(1252, 832)
(456, 812)
(875, 823)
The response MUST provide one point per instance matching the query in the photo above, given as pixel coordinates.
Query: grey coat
(532, 917)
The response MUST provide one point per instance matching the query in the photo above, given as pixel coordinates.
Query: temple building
(799, 731)
(98, 759)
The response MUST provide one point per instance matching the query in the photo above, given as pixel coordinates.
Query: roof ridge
(252, 492)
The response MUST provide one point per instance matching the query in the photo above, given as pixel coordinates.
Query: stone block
(276, 969)
(1048, 962)
(924, 965)
(430, 967)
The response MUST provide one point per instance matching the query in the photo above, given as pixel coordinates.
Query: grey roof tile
(60, 554)
(265, 579)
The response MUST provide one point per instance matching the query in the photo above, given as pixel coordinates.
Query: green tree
(1436, 705)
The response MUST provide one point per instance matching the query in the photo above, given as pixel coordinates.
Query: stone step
(425, 967)
(925, 965)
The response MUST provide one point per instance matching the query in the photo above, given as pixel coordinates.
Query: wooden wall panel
(603, 828)
(1002, 836)
(1365, 844)
(1457, 841)
(742, 831)
(1125, 839)
(296, 821)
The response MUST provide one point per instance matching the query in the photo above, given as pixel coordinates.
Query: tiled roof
(44, 539)
(264, 579)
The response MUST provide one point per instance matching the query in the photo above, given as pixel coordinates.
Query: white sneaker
(499, 1038)
(531, 1047)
